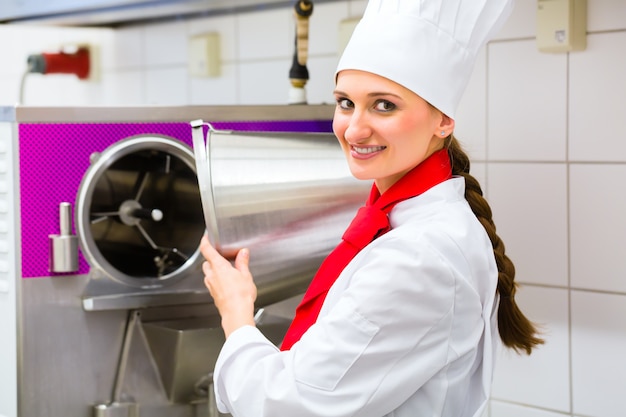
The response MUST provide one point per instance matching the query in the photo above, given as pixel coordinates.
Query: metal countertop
(28, 114)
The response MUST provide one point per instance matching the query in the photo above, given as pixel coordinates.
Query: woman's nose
(358, 127)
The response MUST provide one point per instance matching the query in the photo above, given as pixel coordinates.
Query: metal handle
(63, 256)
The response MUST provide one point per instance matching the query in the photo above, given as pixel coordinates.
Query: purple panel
(54, 157)
(278, 126)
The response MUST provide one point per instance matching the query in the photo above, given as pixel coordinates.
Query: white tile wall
(547, 132)
(529, 201)
(471, 115)
(266, 35)
(126, 86)
(597, 124)
(479, 171)
(321, 82)
(264, 82)
(598, 360)
(541, 379)
(222, 90)
(522, 23)
(501, 409)
(9, 89)
(598, 227)
(165, 44)
(127, 49)
(167, 86)
(61, 90)
(606, 15)
(527, 104)
(324, 28)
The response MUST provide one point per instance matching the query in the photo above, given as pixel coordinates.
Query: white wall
(547, 133)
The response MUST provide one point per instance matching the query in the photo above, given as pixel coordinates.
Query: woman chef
(403, 317)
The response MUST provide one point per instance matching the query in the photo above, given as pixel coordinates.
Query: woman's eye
(384, 105)
(344, 103)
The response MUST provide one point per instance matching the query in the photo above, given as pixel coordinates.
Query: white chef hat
(428, 46)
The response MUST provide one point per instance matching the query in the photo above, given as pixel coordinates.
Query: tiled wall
(556, 151)
(547, 133)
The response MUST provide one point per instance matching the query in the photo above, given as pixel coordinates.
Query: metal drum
(288, 197)
(138, 212)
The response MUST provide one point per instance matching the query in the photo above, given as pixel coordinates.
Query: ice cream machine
(102, 307)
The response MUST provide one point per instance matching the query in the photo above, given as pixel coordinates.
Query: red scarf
(371, 221)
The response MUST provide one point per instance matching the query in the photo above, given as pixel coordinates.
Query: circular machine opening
(140, 211)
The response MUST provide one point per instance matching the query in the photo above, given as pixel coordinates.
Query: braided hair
(516, 331)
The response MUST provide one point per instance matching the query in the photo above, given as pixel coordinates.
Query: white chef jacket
(407, 330)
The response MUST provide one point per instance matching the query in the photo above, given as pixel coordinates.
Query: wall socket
(561, 25)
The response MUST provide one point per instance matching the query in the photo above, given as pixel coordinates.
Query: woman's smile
(365, 152)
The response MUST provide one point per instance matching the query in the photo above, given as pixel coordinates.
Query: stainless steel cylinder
(288, 197)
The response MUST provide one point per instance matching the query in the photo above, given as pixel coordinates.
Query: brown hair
(516, 331)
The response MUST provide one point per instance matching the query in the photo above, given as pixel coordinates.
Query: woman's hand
(232, 288)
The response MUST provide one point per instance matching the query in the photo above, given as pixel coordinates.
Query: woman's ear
(446, 126)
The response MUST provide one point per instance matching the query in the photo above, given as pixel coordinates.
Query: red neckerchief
(371, 221)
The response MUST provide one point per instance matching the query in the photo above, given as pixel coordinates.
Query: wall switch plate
(204, 55)
(561, 25)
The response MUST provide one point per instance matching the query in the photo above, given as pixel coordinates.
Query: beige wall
(547, 133)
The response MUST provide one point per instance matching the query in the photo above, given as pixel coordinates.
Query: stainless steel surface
(27, 114)
(65, 218)
(212, 410)
(182, 351)
(116, 410)
(69, 357)
(287, 197)
(103, 294)
(123, 360)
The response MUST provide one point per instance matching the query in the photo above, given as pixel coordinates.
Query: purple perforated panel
(54, 158)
